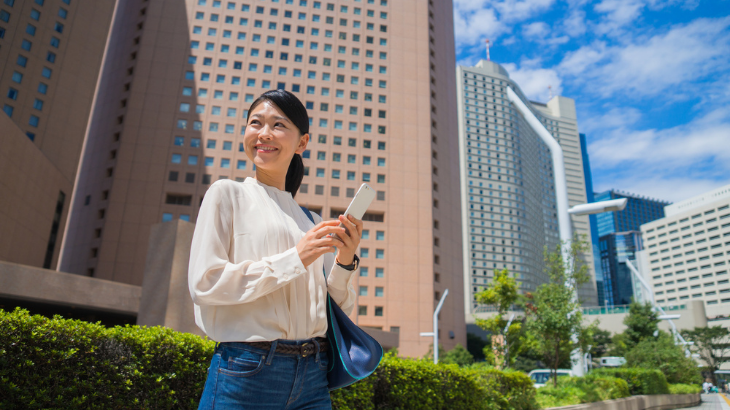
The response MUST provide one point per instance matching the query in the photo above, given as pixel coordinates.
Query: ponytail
(294, 175)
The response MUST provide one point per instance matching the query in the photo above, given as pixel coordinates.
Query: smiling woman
(277, 132)
(256, 272)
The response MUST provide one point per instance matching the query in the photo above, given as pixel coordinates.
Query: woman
(256, 272)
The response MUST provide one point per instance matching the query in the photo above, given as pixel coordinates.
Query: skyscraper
(619, 239)
(376, 78)
(52, 54)
(508, 196)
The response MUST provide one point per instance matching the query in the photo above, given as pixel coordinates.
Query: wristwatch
(355, 263)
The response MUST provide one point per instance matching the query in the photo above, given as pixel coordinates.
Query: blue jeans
(245, 377)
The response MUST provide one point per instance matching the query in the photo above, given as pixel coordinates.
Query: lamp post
(435, 332)
(561, 202)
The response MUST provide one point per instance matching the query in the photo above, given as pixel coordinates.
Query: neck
(276, 180)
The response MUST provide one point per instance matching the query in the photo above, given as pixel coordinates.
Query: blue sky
(651, 81)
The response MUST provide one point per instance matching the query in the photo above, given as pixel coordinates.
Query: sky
(650, 78)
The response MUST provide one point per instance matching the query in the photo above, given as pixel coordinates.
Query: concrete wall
(655, 402)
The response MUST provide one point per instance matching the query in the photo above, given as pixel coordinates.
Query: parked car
(612, 361)
(542, 376)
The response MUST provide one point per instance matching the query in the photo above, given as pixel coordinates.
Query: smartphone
(360, 203)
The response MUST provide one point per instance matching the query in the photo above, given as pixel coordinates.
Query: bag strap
(311, 218)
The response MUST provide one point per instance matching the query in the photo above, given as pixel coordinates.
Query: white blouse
(245, 276)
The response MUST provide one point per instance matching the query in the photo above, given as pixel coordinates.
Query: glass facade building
(618, 240)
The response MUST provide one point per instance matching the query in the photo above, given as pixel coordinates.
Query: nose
(265, 132)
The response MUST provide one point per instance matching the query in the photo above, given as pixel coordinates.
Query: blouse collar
(269, 188)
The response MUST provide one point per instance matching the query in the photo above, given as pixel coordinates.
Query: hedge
(679, 388)
(641, 381)
(60, 363)
(577, 390)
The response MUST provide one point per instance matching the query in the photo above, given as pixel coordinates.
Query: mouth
(265, 148)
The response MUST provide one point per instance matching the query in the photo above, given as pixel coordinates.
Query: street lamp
(561, 202)
(599, 207)
(435, 332)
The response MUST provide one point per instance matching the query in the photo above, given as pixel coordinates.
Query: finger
(348, 224)
(328, 230)
(327, 241)
(324, 224)
(358, 223)
(349, 240)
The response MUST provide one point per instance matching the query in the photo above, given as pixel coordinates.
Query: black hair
(295, 111)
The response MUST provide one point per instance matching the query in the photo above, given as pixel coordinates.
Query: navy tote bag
(353, 354)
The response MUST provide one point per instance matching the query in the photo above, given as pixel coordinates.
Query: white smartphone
(360, 203)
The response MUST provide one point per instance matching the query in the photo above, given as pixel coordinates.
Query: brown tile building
(51, 53)
(377, 79)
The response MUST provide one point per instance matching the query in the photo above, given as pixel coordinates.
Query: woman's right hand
(316, 242)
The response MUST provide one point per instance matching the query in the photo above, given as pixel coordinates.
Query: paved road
(713, 402)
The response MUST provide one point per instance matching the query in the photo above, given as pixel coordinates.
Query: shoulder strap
(308, 213)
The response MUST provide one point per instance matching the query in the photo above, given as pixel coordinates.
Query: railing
(610, 310)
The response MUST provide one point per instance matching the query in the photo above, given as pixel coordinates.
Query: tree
(642, 322)
(661, 353)
(554, 310)
(712, 344)
(506, 344)
(458, 355)
(601, 342)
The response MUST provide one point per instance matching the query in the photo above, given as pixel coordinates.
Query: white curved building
(507, 188)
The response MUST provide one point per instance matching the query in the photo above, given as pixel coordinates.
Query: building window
(378, 311)
(362, 310)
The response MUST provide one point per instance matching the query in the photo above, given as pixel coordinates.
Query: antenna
(487, 41)
(550, 90)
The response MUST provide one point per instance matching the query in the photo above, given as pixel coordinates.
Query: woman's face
(271, 139)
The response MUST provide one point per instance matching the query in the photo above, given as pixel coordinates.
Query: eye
(254, 122)
(280, 124)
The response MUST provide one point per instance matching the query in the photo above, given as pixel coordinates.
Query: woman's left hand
(346, 252)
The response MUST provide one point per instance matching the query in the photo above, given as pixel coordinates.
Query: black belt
(304, 349)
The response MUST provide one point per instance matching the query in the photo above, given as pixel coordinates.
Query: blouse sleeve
(212, 278)
(340, 283)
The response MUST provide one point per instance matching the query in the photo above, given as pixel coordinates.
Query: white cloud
(575, 25)
(615, 118)
(618, 13)
(534, 82)
(537, 29)
(649, 66)
(672, 163)
(475, 26)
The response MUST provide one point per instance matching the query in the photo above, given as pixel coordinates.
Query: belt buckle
(305, 347)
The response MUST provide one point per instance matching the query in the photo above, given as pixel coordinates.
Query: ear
(303, 141)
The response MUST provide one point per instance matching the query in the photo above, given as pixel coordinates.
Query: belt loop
(217, 344)
(271, 352)
(316, 352)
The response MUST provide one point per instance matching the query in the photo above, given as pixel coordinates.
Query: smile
(265, 148)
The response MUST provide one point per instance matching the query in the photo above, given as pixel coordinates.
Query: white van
(541, 376)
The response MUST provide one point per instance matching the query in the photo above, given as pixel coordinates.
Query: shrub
(61, 364)
(640, 381)
(679, 388)
(576, 390)
(663, 354)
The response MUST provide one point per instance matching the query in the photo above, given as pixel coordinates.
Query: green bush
(662, 354)
(576, 390)
(61, 364)
(679, 388)
(640, 381)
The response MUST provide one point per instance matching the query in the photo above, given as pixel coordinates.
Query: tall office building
(376, 78)
(508, 196)
(687, 252)
(51, 53)
(619, 240)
